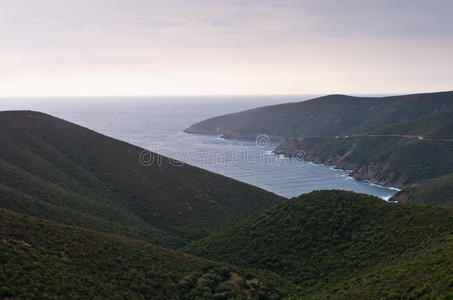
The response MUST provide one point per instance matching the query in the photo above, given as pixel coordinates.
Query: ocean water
(157, 124)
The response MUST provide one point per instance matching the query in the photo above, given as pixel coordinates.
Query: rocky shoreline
(311, 149)
(379, 160)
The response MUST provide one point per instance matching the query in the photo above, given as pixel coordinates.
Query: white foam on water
(393, 188)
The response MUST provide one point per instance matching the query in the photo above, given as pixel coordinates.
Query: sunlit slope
(57, 170)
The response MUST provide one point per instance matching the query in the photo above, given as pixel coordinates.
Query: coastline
(316, 150)
(351, 175)
(277, 143)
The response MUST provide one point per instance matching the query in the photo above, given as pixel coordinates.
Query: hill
(437, 191)
(333, 115)
(57, 170)
(432, 126)
(334, 243)
(42, 259)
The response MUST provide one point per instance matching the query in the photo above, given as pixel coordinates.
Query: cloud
(281, 45)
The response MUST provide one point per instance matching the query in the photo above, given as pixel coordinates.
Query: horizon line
(225, 95)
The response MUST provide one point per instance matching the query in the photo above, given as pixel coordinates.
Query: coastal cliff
(315, 150)
(390, 161)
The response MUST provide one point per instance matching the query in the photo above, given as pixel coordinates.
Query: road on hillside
(405, 136)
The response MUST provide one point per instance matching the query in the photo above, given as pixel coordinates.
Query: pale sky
(204, 47)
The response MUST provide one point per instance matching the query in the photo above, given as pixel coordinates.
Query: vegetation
(328, 241)
(326, 244)
(46, 260)
(334, 115)
(435, 126)
(395, 161)
(438, 191)
(57, 170)
(425, 275)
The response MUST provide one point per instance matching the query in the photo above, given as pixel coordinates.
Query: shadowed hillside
(333, 115)
(330, 239)
(57, 170)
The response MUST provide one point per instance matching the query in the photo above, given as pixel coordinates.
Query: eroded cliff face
(318, 150)
(377, 172)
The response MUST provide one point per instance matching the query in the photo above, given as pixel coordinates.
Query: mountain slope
(333, 115)
(388, 160)
(321, 239)
(57, 170)
(432, 126)
(42, 259)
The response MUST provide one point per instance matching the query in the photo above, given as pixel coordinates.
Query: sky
(214, 47)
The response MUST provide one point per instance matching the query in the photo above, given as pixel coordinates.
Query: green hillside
(333, 115)
(437, 125)
(422, 275)
(437, 191)
(328, 241)
(387, 160)
(57, 170)
(45, 260)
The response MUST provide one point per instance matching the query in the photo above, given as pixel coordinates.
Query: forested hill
(344, 245)
(333, 115)
(60, 171)
(40, 259)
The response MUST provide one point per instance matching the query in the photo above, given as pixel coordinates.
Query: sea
(157, 124)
